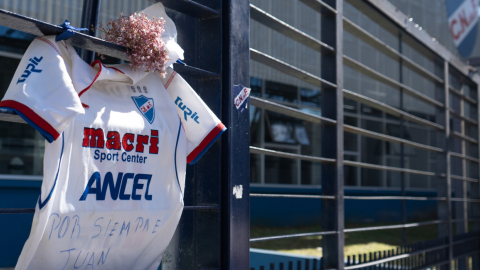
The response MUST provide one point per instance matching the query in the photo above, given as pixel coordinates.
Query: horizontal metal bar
(379, 136)
(10, 116)
(289, 111)
(387, 50)
(470, 120)
(195, 73)
(400, 226)
(292, 196)
(273, 153)
(390, 12)
(471, 220)
(407, 198)
(39, 28)
(17, 210)
(459, 93)
(409, 225)
(389, 109)
(286, 29)
(190, 8)
(202, 207)
(291, 236)
(464, 157)
(435, 264)
(463, 178)
(289, 69)
(32, 210)
(464, 137)
(385, 168)
(386, 80)
(466, 254)
(394, 258)
(319, 6)
(465, 200)
(466, 240)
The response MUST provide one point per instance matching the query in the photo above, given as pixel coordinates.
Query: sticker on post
(238, 191)
(241, 97)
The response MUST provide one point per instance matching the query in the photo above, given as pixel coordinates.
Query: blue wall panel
(304, 212)
(15, 228)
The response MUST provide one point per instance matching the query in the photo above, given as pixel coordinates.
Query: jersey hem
(212, 137)
(32, 118)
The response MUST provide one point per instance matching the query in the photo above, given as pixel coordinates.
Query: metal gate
(456, 87)
(214, 229)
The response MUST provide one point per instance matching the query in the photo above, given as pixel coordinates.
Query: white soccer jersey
(114, 170)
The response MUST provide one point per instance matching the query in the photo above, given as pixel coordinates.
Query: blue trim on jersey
(44, 133)
(175, 157)
(40, 204)
(208, 146)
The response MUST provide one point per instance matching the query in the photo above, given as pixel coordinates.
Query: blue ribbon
(180, 62)
(69, 31)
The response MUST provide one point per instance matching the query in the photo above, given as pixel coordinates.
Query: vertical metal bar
(448, 163)
(444, 208)
(262, 138)
(461, 187)
(402, 146)
(90, 12)
(235, 210)
(475, 193)
(332, 138)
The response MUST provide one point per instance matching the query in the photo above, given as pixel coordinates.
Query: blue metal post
(235, 211)
(332, 138)
(90, 11)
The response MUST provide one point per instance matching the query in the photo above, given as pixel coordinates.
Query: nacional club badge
(462, 23)
(145, 106)
(241, 97)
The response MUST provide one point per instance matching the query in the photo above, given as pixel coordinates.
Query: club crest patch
(145, 106)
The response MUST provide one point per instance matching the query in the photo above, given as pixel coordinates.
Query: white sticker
(241, 97)
(238, 191)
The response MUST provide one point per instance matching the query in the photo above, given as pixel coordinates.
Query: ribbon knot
(69, 31)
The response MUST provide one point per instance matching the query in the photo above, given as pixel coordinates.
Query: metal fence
(214, 229)
(457, 88)
(429, 254)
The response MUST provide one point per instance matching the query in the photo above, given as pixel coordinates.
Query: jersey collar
(85, 75)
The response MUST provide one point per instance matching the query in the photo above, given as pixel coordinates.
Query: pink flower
(141, 37)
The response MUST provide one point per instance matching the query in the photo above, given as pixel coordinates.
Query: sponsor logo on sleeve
(187, 112)
(31, 68)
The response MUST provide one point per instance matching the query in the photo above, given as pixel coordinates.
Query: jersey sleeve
(41, 91)
(202, 127)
